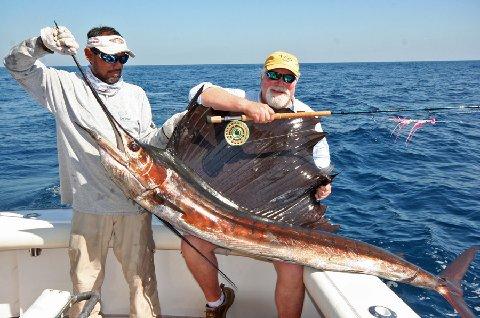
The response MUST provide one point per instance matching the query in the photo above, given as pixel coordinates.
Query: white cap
(110, 44)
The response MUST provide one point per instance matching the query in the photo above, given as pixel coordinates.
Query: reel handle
(221, 119)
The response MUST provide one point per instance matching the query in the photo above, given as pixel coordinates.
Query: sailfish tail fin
(453, 275)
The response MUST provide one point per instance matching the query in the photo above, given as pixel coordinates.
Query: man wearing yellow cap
(277, 92)
(102, 213)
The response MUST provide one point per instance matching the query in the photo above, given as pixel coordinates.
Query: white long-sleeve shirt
(321, 152)
(83, 180)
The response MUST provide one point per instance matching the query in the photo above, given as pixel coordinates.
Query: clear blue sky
(204, 32)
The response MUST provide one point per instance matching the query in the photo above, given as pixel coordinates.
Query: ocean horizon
(418, 198)
(301, 63)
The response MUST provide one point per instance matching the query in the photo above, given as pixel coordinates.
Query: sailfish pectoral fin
(453, 276)
(104, 144)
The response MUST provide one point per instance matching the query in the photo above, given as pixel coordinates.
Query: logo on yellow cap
(282, 60)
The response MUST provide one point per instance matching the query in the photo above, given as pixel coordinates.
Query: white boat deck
(24, 277)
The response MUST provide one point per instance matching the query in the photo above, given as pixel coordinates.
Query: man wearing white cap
(102, 213)
(277, 93)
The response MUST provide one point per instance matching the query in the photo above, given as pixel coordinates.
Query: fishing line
(427, 109)
(120, 143)
(237, 133)
(180, 235)
(311, 129)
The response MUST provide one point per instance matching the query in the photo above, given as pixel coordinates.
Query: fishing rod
(120, 143)
(237, 132)
(324, 113)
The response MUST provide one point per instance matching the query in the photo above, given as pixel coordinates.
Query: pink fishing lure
(415, 123)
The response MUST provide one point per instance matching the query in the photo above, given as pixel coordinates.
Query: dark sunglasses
(110, 58)
(274, 76)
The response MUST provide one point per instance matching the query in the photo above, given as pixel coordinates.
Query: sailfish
(257, 199)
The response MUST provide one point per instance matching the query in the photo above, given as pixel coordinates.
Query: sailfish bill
(209, 187)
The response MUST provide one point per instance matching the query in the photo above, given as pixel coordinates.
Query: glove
(59, 40)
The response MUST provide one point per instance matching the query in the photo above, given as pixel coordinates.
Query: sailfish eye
(133, 146)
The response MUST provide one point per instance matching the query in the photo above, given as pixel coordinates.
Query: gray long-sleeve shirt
(83, 180)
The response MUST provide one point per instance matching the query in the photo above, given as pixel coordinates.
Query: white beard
(278, 101)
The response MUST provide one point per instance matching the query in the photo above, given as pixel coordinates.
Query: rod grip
(214, 119)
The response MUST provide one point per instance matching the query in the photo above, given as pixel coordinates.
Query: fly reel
(236, 133)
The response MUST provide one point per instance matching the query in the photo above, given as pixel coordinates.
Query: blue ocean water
(418, 199)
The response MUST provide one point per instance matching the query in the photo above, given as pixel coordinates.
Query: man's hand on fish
(323, 192)
(59, 40)
(259, 112)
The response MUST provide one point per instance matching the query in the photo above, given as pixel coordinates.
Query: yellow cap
(282, 60)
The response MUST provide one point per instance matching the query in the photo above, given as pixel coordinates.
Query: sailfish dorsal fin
(272, 176)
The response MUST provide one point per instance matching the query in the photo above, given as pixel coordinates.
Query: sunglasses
(275, 76)
(110, 58)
